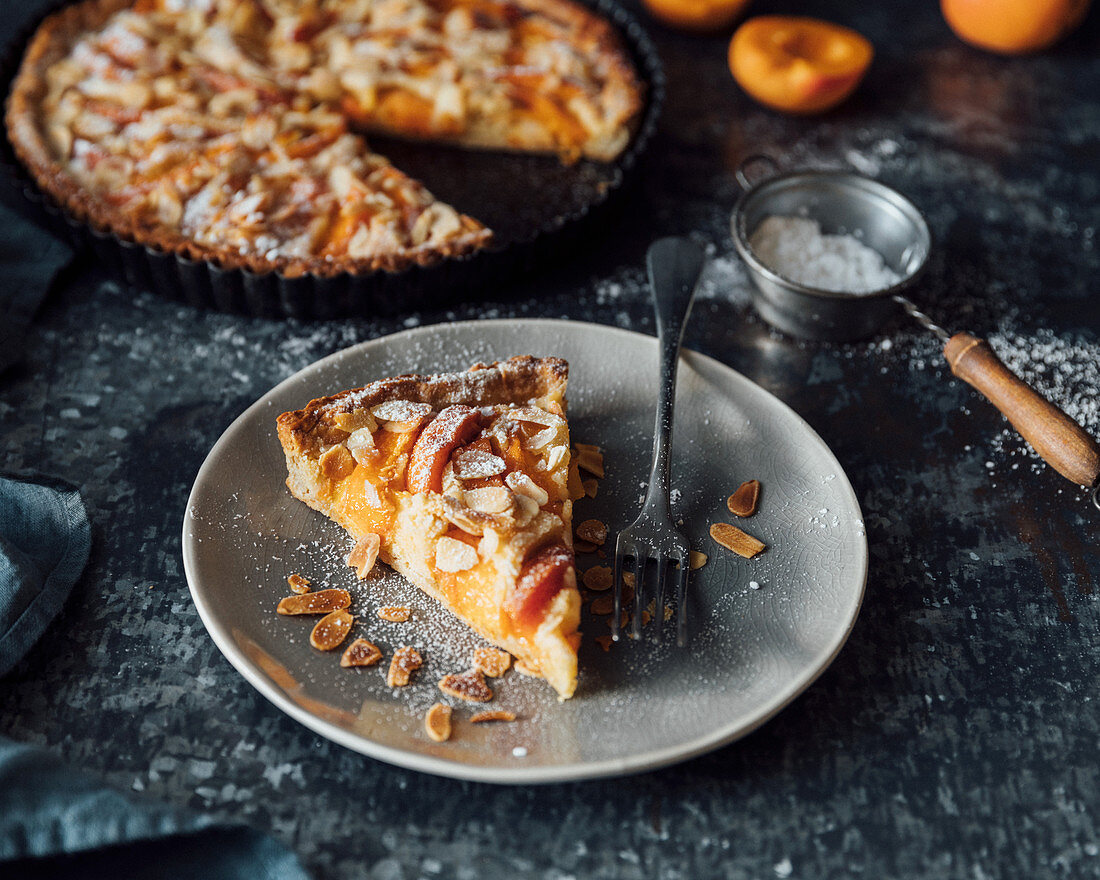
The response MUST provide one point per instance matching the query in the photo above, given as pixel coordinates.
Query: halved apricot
(798, 65)
(1013, 27)
(696, 15)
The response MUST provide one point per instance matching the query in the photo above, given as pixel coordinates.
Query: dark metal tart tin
(536, 206)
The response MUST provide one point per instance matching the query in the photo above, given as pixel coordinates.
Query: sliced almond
(629, 579)
(603, 604)
(477, 464)
(556, 457)
(401, 411)
(539, 441)
(320, 602)
(356, 420)
(589, 458)
(592, 531)
(469, 685)
(336, 463)
(437, 722)
(536, 416)
(492, 661)
(732, 538)
(490, 499)
(604, 642)
(743, 502)
(696, 560)
(364, 555)
(526, 509)
(522, 484)
(361, 445)
(453, 555)
(298, 584)
(394, 614)
(598, 578)
(331, 630)
(590, 486)
(405, 662)
(492, 715)
(584, 547)
(361, 653)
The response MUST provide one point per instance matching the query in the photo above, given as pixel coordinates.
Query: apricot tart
(463, 483)
(233, 130)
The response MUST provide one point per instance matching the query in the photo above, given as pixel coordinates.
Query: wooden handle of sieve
(1062, 443)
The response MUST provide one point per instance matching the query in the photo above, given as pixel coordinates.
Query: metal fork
(674, 266)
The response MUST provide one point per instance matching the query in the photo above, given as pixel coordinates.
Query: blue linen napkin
(44, 544)
(56, 821)
(32, 260)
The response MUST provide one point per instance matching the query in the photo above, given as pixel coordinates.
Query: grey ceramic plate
(762, 629)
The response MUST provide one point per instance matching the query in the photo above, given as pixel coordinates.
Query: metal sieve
(843, 202)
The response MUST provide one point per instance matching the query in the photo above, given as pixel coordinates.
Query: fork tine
(641, 569)
(659, 599)
(617, 586)
(681, 602)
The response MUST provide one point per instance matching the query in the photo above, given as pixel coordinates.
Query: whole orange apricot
(798, 65)
(1013, 27)
(696, 15)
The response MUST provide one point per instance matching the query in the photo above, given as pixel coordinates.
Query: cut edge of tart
(462, 483)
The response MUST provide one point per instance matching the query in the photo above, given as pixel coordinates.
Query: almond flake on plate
(593, 531)
(394, 614)
(405, 662)
(320, 602)
(331, 630)
(603, 604)
(364, 555)
(598, 578)
(732, 538)
(298, 584)
(589, 458)
(493, 715)
(468, 685)
(492, 661)
(437, 722)
(743, 502)
(361, 653)
(696, 560)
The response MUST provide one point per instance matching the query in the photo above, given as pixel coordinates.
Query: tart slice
(461, 482)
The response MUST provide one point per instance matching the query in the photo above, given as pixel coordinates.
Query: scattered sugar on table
(797, 249)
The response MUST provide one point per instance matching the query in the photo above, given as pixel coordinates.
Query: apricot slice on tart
(1013, 27)
(798, 65)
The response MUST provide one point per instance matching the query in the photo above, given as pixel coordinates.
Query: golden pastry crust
(216, 144)
(492, 540)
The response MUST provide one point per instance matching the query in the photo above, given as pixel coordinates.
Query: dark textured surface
(955, 735)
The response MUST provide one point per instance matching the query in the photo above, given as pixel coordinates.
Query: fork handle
(674, 265)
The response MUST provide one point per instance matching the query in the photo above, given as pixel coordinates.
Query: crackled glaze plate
(762, 629)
